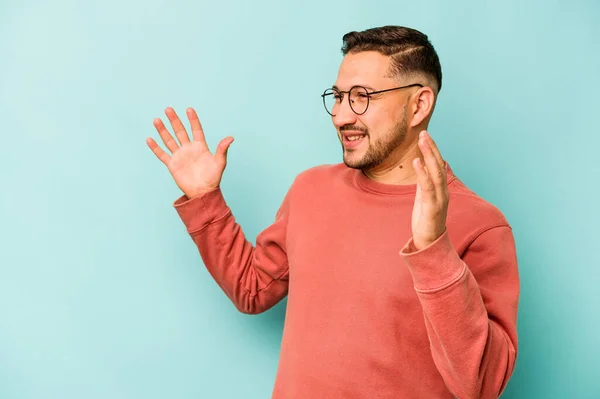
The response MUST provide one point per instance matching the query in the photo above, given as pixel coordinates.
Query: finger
(222, 149)
(435, 150)
(434, 169)
(178, 127)
(166, 137)
(197, 131)
(443, 173)
(419, 194)
(428, 192)
(160, 154)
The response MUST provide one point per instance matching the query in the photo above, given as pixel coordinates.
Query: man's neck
(398, 169)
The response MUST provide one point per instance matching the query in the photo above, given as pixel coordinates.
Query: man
(401, 282)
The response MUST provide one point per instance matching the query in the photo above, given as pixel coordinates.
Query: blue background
(102, 293)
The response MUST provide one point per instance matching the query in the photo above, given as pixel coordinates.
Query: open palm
(194, 168)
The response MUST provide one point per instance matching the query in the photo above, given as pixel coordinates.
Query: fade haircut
(411, 51)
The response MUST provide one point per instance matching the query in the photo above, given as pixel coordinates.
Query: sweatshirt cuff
(199, 212)
(434, 267)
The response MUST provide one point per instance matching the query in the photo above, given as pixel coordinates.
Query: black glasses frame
(331, 91)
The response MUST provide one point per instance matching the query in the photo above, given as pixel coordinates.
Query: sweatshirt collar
(372, 186)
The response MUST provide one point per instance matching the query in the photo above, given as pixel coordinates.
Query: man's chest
(350, 247)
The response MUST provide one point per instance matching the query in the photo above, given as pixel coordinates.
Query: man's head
(389, 57)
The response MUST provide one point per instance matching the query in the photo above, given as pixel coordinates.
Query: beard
(379, 150)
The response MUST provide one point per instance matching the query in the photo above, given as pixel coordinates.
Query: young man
(401, 282)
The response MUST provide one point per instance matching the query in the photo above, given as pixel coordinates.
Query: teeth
(352, 138)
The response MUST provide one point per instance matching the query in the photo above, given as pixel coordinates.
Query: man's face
(383, 127)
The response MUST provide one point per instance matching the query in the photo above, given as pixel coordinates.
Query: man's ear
(422, 105)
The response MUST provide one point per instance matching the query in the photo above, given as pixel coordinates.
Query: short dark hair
(410, 50)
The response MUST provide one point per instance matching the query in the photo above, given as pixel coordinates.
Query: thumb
(222, 149)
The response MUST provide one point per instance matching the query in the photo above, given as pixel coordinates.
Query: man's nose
(344, 114)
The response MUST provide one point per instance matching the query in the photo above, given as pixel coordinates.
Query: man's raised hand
(431, 202)
(194, 168)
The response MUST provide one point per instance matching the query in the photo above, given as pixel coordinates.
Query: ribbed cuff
(434, 267)
(199, 212)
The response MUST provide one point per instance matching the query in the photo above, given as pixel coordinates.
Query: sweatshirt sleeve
(255, 278)
(470, 309)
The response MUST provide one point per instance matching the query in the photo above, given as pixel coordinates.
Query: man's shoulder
(319, 174)
(467, 208)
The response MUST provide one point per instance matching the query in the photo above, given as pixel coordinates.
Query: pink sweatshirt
(368, 316)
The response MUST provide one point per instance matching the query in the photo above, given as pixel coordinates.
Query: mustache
(353, 128)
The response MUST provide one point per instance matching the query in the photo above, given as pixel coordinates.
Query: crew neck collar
(372, 186)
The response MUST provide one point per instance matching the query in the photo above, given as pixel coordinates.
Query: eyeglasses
(358, 98)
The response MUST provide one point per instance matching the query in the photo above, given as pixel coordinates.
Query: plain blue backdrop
(102, 293)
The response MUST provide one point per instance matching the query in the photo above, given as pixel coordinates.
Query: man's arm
(469, 304)
(255, 278)
(470, 309)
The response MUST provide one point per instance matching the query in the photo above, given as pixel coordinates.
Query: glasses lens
(359, 100)
(330, 99)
